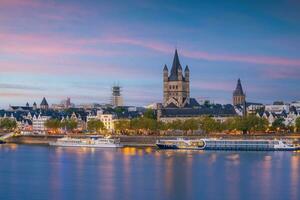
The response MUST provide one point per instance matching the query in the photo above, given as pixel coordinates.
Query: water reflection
(295, 175)
(148, 173)
(8, 147)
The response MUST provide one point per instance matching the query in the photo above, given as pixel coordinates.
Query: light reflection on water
(41, 172)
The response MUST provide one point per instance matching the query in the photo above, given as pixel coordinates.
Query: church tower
(239, 96)
(176, 86)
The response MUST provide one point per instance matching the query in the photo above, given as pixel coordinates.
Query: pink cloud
(74, 68)
(165, 48)
(282, 72)
(33, 45)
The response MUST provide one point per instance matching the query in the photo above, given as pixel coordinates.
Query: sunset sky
(79, 49)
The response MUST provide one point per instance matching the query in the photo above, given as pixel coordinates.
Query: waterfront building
(38, 124)
(106, 118)
(239, 96)
(108, 121)
(44, 104)
(116, 99)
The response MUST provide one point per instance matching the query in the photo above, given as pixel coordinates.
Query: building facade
(107, 119)
(176, 86)
(38, 124)
(239, 96)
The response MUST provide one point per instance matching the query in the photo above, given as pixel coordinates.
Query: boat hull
(87, 145)
(162, 146)
(227, 145)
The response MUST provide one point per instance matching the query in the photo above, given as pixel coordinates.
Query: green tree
(69, 125)
(297, 124)
(149, 113)
(278, 124)
(122, 125)
(95, 125)
(53, 124)
(190, 125)
(175, 125)
(144, 123)
(8, 124)
(255, 123)
(209, 124)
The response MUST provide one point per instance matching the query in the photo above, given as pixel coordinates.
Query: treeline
(56, 124)
(246, 125)
(8, 124)
(70, 125)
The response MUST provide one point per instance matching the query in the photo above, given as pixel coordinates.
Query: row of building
(177, 104)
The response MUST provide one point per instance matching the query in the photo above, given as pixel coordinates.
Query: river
(42, 172)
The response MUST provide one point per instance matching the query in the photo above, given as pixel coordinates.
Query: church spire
(239, 89)
(176, 66)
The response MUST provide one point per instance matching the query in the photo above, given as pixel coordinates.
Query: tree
(190, 124)
(53, 124)
(95, 125)
(144, 123)
(175, 125)
(149, 113)
(255, 123)
(247, 124)
(69, 125)
(8, 124)
(278, 124)
(122, 125)
(209, 124)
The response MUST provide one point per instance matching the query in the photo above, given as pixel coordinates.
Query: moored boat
(95, 142)
(229, 144)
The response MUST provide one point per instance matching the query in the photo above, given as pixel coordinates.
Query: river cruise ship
(228, 144)
(95, 142)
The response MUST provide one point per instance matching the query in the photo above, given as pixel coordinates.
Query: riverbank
(144, 140)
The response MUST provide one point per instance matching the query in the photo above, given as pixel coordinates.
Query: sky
(80, 49)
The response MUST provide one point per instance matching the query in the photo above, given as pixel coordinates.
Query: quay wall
(142, 140)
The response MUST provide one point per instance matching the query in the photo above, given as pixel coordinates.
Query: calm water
(41, 172)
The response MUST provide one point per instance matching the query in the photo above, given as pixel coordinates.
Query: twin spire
(176, 68)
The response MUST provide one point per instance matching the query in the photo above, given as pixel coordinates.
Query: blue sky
(79, 49)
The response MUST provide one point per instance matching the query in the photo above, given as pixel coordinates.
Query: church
(177, 102)
(176, 86)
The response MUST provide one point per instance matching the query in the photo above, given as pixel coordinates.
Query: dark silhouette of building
(239, 96)
(44, 104)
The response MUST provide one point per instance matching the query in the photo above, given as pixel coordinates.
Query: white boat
(94, 142)
(229, 144)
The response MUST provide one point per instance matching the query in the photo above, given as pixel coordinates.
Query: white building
(38, 124)
(277, 109)
(107, 119)
(296, 104)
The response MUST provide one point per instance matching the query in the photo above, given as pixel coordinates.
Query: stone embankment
(145, 140)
